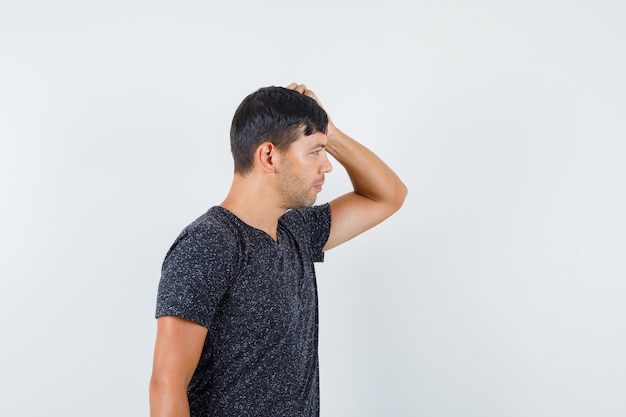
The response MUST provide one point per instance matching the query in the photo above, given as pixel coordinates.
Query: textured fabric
(258, 299)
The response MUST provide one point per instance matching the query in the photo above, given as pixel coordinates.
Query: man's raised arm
(378, 192)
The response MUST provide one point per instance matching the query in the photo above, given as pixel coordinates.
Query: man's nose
(326, 166)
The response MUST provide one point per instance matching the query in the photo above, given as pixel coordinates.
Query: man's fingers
(300, 88)
(296, 87)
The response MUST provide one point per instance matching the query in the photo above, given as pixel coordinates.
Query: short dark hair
(272, 114)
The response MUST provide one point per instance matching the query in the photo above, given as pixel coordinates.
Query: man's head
(276, 115)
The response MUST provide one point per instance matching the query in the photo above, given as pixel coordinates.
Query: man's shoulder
(216, 220)
(214, 231)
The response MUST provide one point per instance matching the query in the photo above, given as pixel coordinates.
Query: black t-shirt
(258, 299)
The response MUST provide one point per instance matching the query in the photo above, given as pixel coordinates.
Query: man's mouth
(318, 186)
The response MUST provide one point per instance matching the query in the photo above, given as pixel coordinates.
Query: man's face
(302, 169)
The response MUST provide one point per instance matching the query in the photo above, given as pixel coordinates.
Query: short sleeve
(314, 223)
(194, 277)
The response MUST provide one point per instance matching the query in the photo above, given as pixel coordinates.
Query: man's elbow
(396, 194)
(399, 195)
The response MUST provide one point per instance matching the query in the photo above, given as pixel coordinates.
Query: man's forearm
(370, 176)
(166, 402)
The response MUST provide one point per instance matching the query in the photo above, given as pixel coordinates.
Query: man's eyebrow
(318, 145)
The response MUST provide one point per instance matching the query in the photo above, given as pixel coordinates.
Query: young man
(237, 302)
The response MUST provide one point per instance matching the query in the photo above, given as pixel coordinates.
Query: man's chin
(311, 201)
(304, 204)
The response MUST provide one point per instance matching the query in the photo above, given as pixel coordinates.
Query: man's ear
(266, 155)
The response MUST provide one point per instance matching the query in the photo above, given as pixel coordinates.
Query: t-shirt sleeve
(194, 277)
(315, 222)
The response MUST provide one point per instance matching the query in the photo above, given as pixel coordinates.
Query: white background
(498, 290)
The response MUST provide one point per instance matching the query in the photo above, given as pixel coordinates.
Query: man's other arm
(177, 351)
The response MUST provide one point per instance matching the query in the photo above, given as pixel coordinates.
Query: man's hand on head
(302, 89)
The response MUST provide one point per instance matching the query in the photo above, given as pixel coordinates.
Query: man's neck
(254, 203)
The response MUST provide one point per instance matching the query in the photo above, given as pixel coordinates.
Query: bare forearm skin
(370, 176)
(167, 401)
